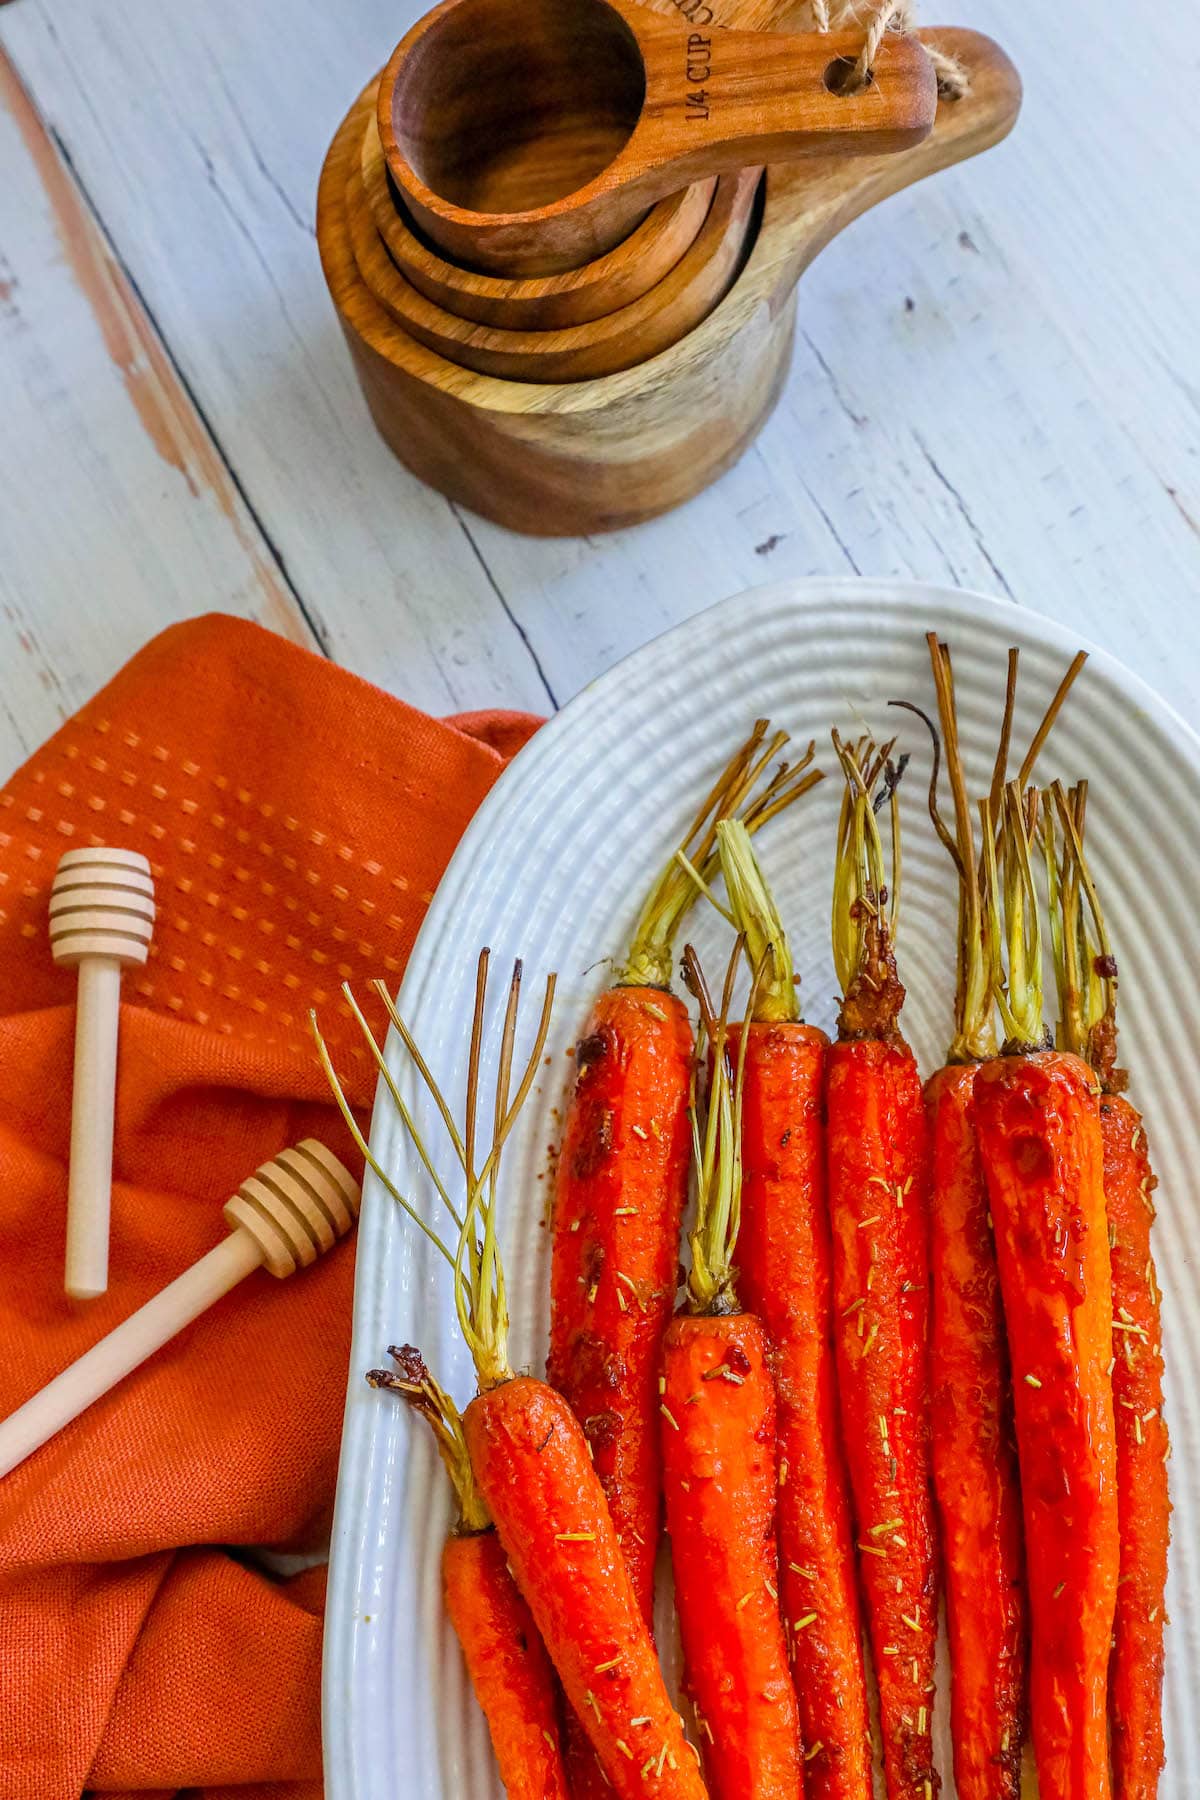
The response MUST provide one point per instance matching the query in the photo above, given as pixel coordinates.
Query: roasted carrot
(1087, 983)
(976, 1478)
(878, 1200)
(532, 1464)
(974, 1459)
(621, 1184)
(785, 1277)
(719, 1472)
(976, 1473)
(1143, 1502)
(1039, 1138)
(506, 1659)
(528, 1455)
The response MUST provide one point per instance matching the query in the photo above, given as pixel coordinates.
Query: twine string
(953, 81)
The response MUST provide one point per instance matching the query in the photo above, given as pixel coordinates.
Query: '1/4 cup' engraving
(699, 69)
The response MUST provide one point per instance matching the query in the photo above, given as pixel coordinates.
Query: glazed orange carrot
(974, 1446)
(1143, 1503)
(973, 1435)
(621, 1184)
(621, 1179)
(974, 1458)
(506, 1660)
(785, 1276)
(529, 1457)
(532, 1464)
(1039, 1137)
(878, 1200)
(719, 1472)
(1087, 980)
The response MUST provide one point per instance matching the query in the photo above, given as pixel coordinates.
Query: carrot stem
(652, 946)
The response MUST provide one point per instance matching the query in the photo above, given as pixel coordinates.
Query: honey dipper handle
(118, 1354)
(89, 1194)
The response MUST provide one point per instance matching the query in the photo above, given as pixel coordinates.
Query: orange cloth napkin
(297, 821)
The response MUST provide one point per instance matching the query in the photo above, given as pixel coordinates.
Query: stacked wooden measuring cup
(563, 236)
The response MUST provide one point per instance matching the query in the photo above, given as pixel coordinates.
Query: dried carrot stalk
(1087, 981)
(879, 1205)
(719, 1475)
(785, 1276)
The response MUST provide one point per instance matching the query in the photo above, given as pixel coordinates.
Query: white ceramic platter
(553, 868)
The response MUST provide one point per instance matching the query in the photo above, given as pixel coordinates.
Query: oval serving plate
(553, 868)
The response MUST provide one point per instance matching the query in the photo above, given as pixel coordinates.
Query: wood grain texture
(530, 136)
(540, 302)
(993, 383)
(617, 340)
(115, 496)
(541, 454)
(593, 455)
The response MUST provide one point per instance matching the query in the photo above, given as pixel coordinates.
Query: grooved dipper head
(101, 904)
(296, 1206)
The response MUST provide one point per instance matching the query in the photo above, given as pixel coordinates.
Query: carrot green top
(1016, 929)
(974, 1037)
(416, 1385)
(740, 791)
(1084, 966)
(480, 1295)
(979, 951)
(756, 917)
(716, 1145)
(865, 907)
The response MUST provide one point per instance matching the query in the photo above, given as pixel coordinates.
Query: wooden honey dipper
(101, 918)
(529, 136)
(289, 1212)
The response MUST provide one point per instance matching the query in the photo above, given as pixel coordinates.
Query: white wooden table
(996, 379)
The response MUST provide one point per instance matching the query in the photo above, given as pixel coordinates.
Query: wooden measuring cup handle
(718, 100)
(288, 1213)
(822, 197)
(533, 170)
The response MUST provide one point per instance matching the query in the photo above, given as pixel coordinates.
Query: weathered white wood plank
(198, 134)
(995, 379)
(117, 514)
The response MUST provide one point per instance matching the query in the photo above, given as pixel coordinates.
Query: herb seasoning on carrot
(1039, 1137)
(529, 1458)
(506, 1660)
(1087, 982)
(621, 1179)
(974, 1445)
(717, 1415)
(878, 1199)
(785, 1277)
